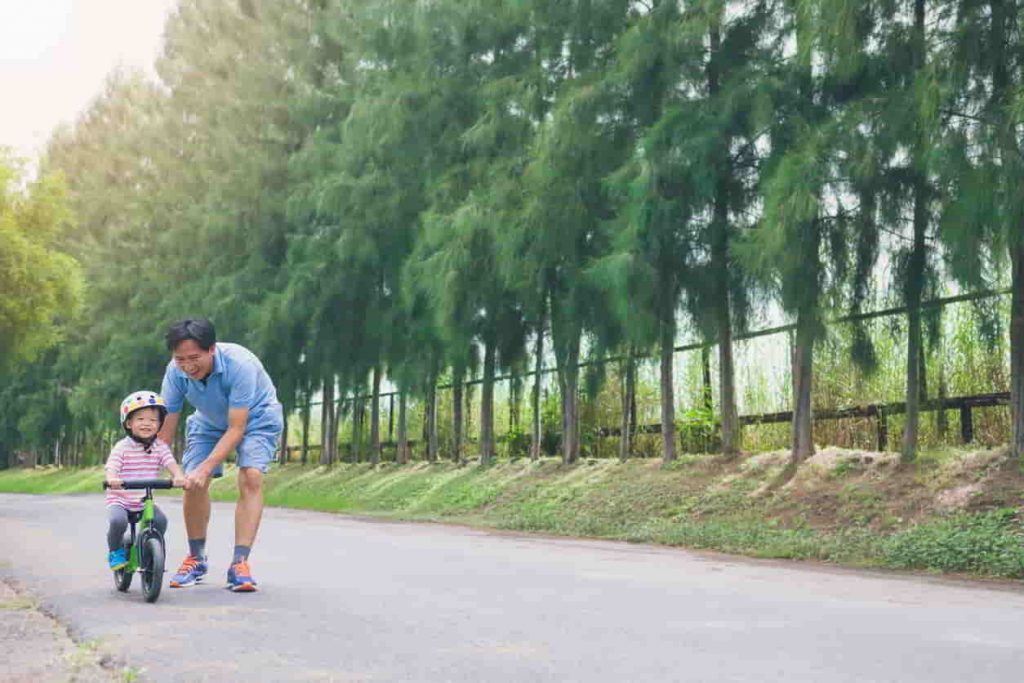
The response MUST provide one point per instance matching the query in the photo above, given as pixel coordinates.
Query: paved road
(354, 600)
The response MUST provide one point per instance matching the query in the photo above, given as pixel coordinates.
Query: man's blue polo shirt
(237, 380)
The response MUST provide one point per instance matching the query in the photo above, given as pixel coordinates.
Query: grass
(844, 507)
(17, 605)
(51, 480)
(131, 674)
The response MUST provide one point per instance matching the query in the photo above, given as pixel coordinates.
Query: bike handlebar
(144, 484)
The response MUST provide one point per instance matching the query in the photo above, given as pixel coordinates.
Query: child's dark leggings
(117, 517)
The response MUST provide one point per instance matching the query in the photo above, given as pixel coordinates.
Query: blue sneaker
(117, 559)
(240, 578)
(191, 572)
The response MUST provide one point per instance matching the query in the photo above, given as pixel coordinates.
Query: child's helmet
(138, 400)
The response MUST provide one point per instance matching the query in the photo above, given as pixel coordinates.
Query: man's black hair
(199, 330)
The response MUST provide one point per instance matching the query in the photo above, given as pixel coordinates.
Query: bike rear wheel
(152, 567)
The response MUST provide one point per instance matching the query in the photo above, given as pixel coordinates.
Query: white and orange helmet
(138, 400)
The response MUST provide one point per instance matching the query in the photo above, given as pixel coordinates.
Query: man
(236, 410)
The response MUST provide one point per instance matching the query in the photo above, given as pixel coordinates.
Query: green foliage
(39, 284)
(992, 542)
(697, 428)
(516, 444)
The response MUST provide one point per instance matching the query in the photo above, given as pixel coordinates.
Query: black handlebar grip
(136, 484)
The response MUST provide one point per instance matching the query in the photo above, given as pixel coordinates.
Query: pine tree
(982, 224)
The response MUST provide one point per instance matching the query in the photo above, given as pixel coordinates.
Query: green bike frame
(144, 523)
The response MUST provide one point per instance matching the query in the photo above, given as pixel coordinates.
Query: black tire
(122, 577)
(152, 567)
(122, 580)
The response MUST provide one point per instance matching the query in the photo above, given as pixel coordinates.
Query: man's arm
(166, 433)
(174, 397)
(238, 418)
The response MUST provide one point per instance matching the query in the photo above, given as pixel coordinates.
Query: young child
(140, 455)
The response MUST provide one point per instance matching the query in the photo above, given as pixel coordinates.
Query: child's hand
(114, 483)
(178, 482)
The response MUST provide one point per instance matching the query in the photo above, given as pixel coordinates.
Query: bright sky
(56, 54)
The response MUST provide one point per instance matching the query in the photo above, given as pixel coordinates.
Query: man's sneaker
(240, 578)
(191, 572)
(118, 559)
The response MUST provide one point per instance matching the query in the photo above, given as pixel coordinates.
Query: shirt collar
(218, 362)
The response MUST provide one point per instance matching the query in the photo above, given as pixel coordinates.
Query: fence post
(966, 424)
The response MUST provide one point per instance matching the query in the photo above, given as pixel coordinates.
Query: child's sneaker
(240, 578)
(191, 572)
(117, 559)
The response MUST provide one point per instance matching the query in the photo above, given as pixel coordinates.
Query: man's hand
(114, 483)
(199, 477)
(180, 482)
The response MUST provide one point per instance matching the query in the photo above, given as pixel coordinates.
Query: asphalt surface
(348, 599)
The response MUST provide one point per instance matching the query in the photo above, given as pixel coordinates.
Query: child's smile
(145, 423)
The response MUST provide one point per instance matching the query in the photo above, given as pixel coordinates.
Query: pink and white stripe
(129, 460)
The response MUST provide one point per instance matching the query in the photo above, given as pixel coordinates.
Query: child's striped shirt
(129, 460)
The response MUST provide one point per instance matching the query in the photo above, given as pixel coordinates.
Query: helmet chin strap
(146, 443)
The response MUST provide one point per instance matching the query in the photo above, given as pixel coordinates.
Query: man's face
(192, 360)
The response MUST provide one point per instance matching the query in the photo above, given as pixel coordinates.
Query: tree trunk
(425, 427)
(923, 369)
(375, 419)
(803, 377)
(403, 437)
(467, 430)
(335, 423)
(913, 290)
(1017, 351)
(913, 398)
(515, 394)
(305, 429)
(487, 407)
(284, 439)
(538, 368)
(726, 371)
(568, 381)
(941, 417)
(457, 421)
(628, 405)
(358, 413)
(668, 399)
(570, 416)
(914, 283)
(720, 266)
(707, 396)
(727, 389)
(391, 417)
(326, 421)
(431, 422)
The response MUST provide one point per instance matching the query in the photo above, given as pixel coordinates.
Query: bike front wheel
(152, 568)
(123, 576)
